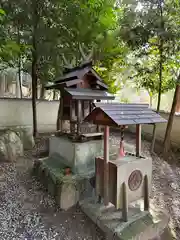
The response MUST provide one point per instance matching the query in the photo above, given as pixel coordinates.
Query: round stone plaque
(135, 180)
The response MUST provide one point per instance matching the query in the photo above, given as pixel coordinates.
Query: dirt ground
(28, 212)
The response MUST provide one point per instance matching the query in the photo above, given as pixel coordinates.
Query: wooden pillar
(106, 165)
(83, 108)
(90, 107)
(79, 115)
(98, 127)
(138, 140)
(61, 113)
(71, 116)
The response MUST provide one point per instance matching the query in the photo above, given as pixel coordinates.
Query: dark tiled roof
(74, 74)
(124, 114)
(64, 84)
(88, 94)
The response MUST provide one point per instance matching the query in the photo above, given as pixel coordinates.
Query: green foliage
(152, 34)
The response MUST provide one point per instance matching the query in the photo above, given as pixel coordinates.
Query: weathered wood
(59, 124)
(71, 117)
(90, 107)
(124, 204)
(61, 114)
(106, 165)
(98, 127)
(146, 194)
(138, 140)
(79, 115)
(92, 134)
(83, 108)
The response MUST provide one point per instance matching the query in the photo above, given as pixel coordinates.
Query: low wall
(161, 128)
(18, 112)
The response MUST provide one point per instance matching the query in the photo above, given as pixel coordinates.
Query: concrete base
(67, 190)
(140, 226)
(80, 157)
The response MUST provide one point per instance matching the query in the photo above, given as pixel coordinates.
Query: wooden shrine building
(123, 177)
(79, 87)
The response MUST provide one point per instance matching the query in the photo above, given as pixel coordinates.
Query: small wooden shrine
(124, 177)
(79, 87)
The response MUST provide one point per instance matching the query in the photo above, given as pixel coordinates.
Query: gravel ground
(28, 212)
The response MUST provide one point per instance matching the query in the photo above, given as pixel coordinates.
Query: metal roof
(88, 94)
(117, 114)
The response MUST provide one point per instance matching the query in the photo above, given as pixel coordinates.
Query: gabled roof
(117, 114)
(88, 94)
(64, 84)
(77, 73)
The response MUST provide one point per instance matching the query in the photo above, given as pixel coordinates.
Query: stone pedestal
(140, 225)
(80, 157)
(129, 170)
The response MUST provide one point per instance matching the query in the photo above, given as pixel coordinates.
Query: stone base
(80, 157)
(140, 226)
(67, 190)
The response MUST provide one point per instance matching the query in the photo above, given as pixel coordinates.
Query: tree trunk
(160, 74)
(19, 63)
(34, 66)
(34, 94)
(167, 137)
(150, 99)
(178, 104)
(159, 95)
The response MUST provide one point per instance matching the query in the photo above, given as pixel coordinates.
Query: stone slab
(141, 225)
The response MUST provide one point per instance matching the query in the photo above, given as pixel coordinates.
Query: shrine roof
(117, 114)
(76, 74)
(64, 84)
(88, 94)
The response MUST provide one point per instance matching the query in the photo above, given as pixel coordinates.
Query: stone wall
(161, 128)
(18, 112)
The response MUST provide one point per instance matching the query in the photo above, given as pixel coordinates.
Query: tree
(174, 63)
(52, 31)
(152, 34)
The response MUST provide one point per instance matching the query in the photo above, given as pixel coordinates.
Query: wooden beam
(61, 113)
(138, 140)
(83, 108)
(90, 107)
(79, 115)
(106, 165)
(71, 115)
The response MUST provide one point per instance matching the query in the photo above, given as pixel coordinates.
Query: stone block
(67, 190)
(79, 156)
(69, 196)
(11, 146)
